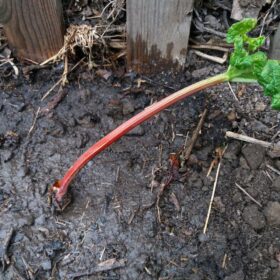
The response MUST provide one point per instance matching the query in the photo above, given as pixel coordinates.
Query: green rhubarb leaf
(275, 104)
(254, 43)
(247, 63)
(240, 29)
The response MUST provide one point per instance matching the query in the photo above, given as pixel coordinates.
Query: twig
(61, 79)
(29, 271)
(224, 261)
(4, 255)
(266, 15)
(104, 266)
(220, 60)
(195, 135)
(248, 139)
(209, 47)
(34, 122)
(52, 88)
(54, 102)
(160, 193)
(273, 169)
(15, 270)
(233, 93)
(10, 61)
(210, 30)
(254, 200)
(212, 198)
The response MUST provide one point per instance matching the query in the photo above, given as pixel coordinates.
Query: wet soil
(113, 215)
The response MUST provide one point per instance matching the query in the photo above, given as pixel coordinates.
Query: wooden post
(275, 46)
(34, 28)
(158, 33)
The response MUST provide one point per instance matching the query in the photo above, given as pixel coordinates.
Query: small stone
(274, 264)
(233, 151)
(213, 22)
(203, 237)
(254, 217)
(260, 107)
(114, 108)
(41, 220)
(237, 197)
(231, 116)
(259, 126)
(274, 153)
(276, 184)
(239, 275)
(218, 203)
(202, 72)
(26, 220)
(272, 213)
(128, 107)
(7, 155)
(46, 264)
(243, 163)
(254, 155)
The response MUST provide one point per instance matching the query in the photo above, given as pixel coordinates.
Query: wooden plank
(158, 33)
(34, 28)
(275, 47)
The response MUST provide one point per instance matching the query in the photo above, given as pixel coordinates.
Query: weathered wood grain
(275, 47)
(34, 28)
(158, 33)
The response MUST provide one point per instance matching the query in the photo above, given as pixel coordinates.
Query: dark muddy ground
(113, 220)
(113, 215)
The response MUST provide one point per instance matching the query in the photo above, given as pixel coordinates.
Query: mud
(113, 214)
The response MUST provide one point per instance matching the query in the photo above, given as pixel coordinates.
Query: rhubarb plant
(247, 64)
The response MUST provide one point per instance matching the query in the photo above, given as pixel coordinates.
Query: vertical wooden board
(275, 47)
(158, 33)
(34, 28)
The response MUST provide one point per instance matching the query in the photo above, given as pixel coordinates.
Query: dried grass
(103, 41)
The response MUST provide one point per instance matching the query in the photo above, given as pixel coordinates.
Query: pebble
(272, 213)
(213, 22)
(260, 107)
(259, 126)
(243, 163)
(41, 220)
(254, 217)
(232, 151)
(114, 108)
(276, 184)
(203, 237)
(237, 197)
(254, 155)
(128, 107)
(274, 153)
(274, 264)
(46, 264)
(7, 155)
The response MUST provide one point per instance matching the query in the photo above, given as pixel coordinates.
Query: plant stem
(61, 186)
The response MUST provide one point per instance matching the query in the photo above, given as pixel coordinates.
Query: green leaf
(247, 64)
(275, 104)
(270, 78)
(240, 29)
(254, 43)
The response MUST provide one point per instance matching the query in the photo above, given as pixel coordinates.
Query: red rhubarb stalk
(61, 186)
(247, 64)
